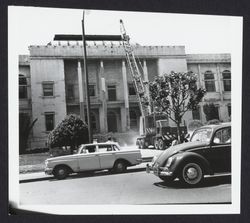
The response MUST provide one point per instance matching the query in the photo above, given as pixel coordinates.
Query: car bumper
(48, 171)
(158, 171)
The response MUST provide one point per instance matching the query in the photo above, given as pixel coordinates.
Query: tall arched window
(209, 81)
(22, 87)
(227, 80)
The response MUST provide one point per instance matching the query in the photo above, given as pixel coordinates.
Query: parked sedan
(91, 157)
(207, 153)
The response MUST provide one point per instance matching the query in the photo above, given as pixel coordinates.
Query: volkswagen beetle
(208, 152)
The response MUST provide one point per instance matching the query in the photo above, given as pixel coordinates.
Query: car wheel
(161, 144)
(156, 143)
(191, 174)
(61, 172)
(120, 166)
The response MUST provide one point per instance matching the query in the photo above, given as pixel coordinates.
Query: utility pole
(86, 79)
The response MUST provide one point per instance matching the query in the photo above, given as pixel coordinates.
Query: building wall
(199, 64)
(59, 64)
(46, 70)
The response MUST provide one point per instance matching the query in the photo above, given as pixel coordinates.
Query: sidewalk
(147, 155)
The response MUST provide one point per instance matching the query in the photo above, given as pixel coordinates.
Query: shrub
(72, 131)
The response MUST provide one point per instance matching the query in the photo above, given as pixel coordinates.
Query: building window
(209, 81)
(112, 93)
(22, 87)
(91, 90)
(49, 121)
(48, 89)
(226, 80)
(131, 89)
(196, 114)
(70, 91)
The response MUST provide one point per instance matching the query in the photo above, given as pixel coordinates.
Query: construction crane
(137, 76)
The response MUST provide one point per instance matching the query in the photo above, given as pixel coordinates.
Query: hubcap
(61, 172)
(192, 173)
(119, 166)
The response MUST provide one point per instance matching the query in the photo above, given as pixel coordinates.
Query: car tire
(61, 172)
(191, 174)
(161, 144)
(120, 166)
(156, 144)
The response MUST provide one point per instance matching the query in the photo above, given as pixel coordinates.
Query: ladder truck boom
(137, 76)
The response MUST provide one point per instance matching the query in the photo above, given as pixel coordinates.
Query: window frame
(23, 86)
(226, 79)
(209, 81)
(46, 114)
(48, 83)
(113, 88)
(94, 90)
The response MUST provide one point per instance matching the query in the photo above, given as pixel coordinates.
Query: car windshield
(202, 135)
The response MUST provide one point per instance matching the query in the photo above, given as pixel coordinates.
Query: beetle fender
(192, 157)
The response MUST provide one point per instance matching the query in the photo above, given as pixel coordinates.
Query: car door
(88, 158)
(106, 154)
(219, 153)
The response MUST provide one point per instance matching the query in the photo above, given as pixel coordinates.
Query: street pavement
(133, 187)
(147, 155)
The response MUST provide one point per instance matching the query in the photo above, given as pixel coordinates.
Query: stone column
(219, 81)
(81, 90)
(103, 109)
(202, 85)
(126, 125)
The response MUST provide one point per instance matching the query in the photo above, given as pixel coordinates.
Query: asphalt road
(133, 187)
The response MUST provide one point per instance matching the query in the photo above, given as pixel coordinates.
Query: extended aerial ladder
(137, 76)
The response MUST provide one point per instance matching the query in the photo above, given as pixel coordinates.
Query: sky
(198, 33)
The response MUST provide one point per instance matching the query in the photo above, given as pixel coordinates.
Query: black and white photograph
(124, 112)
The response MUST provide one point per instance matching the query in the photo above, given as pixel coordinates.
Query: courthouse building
(51, 77)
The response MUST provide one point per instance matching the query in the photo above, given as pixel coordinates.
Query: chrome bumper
(158, 171)
(48, 171)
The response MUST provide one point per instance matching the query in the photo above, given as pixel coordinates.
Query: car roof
(216, 126)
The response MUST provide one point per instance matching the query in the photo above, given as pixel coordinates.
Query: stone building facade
(51, 84)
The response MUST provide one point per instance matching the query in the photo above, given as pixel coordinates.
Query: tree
(174, 94)
(210, 111)
(72, 131)
(25, 126)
